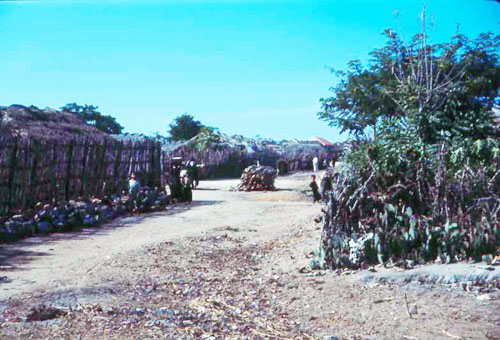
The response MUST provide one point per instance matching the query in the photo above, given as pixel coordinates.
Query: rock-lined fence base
(74, 214)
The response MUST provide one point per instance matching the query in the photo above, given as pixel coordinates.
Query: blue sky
(246, 67)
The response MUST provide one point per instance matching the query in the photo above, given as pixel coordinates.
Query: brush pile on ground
(65, 216)
(257, 178)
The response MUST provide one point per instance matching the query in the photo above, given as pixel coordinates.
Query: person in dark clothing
(326, 185)
(187, 187)
(193, 173)
(314, 186)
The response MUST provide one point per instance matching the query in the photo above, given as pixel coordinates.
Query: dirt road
(229, 266)
(68, 260)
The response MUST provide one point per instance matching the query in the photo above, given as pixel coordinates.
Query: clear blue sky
(246, 67)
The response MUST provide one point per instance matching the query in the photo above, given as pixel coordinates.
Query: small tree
(208, 137)
(93, 117)
(184, 127)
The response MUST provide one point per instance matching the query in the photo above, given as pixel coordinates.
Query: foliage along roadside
(422, 179)
(413, 222)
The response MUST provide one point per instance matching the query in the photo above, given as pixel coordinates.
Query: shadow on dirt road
(14, 256)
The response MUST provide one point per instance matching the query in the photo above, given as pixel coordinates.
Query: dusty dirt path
(67, 260)
(231, 266)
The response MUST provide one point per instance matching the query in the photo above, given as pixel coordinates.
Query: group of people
(184, 182)
(325, 164)
(321, 192)
(189, 180)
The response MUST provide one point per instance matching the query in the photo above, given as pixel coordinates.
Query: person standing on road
(314, 186)
(315, 164)
(326, 185)
(194, 173)
(133, 191)
(187, 188)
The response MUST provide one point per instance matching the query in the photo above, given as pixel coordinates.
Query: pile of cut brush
(412, 222)
(257, 178)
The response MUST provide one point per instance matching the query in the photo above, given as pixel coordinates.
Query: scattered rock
(330, 337)
(75, 214)
(484, 297)
(138, 311)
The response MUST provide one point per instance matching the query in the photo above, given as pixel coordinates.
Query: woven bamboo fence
(44, 171)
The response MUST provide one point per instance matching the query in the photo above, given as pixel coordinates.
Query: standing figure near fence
(193, 173)
(133, 191)
(175, 179)
(187, 187)
(314, 187)
(133, 185)
(326, 185)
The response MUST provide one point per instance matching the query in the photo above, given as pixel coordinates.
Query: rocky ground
(231, 266)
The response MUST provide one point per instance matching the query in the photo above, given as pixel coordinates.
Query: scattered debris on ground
(42, 313)
(218, 296)
(246, 275)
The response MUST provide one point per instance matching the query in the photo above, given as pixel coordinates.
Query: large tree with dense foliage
(414, 96)
(184, 127)
(433, 87)
(93, 117)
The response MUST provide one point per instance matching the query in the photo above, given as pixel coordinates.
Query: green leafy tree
(208, 137)
(447, 87)
(427, 185)
(91, 115)
(358, 101)
(184, 127)
(415, 95)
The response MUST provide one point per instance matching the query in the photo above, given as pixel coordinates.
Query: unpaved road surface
(229, 266)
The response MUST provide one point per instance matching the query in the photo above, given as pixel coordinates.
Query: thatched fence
(36, 170)
(33, 170)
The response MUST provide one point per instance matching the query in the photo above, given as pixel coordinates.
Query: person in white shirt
(133, 185)
(315, 164)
